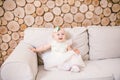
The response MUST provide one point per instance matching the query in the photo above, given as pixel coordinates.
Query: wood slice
(0, 21)
(23, 27)
(1, 11)
(4, 53)
(58, 2)
(5, 57)
(57, 11)
(34, 15)
(79, 17)
(50, 4)
(77, 3)
(117, 22)
(105, 21)
(43, 1)
(12, 44)
(107, 11)
(87, 2)
(112, 23)
(9, 51)
(91, 8)
(68, 18)
(98, 10)
(30, 1)
(118, 15)
(58, 21)
(21, 2)
(38, 20)
(40, 11)
(49, 25)
(29, 8)
(8, 15)
(115, 1)
(83, 8)
(48, 16)
(65, 8)
(103, 3)
(20, 21)
(115, 7)
(3, 30)
(71, 2)
(6, 38)
(89, 14)
(16, 19)
(37, 3)
(73, 10)
(21, 34)
(1, 3)
(46, 9)
(29, 20)
(96, 19)
(34, 25)
(19, 12)
(101, 16)
(9, 5)
(74, 24)
(95, 2)
(65, 1)
(0, 40)
(9, 32)
(3, 21)
(86, 23)
(13, 26)
(110, 4)
(15, 36)
(66, 25)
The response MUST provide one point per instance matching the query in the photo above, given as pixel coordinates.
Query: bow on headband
(57, 28)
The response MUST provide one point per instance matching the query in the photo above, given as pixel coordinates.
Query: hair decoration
(57, 28)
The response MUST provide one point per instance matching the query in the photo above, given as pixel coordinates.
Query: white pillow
(104, 42)
(40, 36)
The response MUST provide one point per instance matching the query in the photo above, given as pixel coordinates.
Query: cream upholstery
(104, 62)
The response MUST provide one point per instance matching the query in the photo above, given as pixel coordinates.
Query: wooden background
(17, 15)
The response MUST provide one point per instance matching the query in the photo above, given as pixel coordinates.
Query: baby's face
(59, 36)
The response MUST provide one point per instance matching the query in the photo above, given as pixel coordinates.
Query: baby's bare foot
(75, 68)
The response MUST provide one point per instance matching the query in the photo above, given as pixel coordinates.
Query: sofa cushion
(90, 72)
(40, 36)
(104, 42)
(110, 65)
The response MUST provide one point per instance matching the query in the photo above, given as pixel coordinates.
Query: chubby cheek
(55, 37)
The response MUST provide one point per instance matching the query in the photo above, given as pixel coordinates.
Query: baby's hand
(76, 51)
(33, 49)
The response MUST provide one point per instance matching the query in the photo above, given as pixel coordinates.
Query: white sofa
(100, 44)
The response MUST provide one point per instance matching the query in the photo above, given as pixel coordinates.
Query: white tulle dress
(60, 58)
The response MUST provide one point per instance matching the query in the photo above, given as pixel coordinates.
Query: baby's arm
(75, 49)
(41, 48)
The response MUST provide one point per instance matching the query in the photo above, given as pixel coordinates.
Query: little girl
(62, 56)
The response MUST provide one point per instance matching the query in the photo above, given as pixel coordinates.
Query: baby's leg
(75, 68)
(65, 66)
(76, 63)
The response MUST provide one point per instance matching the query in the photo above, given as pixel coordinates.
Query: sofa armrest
(21, 64)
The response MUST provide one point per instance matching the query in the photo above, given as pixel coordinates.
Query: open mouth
(60, 38)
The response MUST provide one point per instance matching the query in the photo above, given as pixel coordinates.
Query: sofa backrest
(40, 36)
(104, 42)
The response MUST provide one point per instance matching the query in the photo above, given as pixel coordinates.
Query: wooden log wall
(17, 15)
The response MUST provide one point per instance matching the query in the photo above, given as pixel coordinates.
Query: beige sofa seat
(90, 72)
